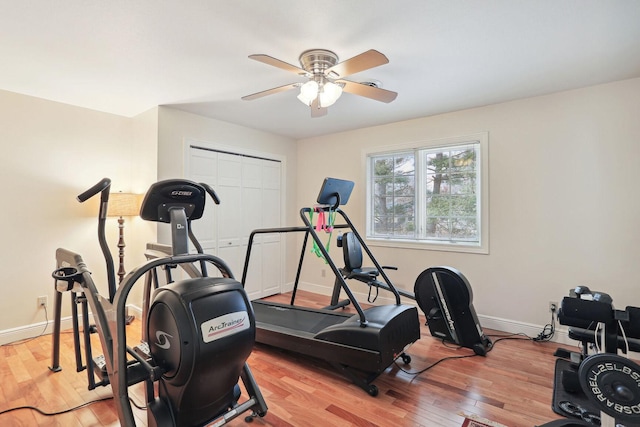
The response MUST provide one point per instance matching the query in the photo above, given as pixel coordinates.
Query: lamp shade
(308, 92)
(124, 204)
(329, 94)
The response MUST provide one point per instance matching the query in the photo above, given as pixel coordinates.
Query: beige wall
(564, 204)
(51, 153)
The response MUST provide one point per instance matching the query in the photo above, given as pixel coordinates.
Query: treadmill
(359, 346)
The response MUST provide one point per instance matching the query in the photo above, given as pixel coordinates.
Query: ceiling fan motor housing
(316, 61)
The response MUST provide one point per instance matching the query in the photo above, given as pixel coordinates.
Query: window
(434, 195)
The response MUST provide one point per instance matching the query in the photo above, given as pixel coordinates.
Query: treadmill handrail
(304, 214)
(263, 231)
(308, 230)
(389, 286)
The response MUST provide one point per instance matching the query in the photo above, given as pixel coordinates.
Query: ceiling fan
(326, 76)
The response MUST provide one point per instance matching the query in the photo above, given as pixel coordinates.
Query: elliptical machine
(198, 332)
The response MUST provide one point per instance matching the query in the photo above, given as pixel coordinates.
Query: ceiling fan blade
(367, 91)
(369, 59)
(270, 60)
(317, 110)
(270, 91)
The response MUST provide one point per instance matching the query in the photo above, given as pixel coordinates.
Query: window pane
(383, 167)
(462, 183)
(383, 186)
(450, 194)
(463, 160)
(464, 229)
(426, 194)
(382, 225)
(404, 186)
(404, 165)
(394, 192)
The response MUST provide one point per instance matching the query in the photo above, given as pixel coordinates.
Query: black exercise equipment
(360, 346)
(603, 386)
(446, 298)
(443, 294)
(197, 332)
(352, 244)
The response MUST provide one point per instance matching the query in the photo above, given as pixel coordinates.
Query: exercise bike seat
(352, 254)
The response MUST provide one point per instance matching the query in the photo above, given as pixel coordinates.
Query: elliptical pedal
(143, 350)
(100, 368)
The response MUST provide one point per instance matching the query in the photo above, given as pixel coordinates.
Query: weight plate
(613, 383)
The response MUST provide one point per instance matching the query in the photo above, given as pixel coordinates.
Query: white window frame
(481, 247)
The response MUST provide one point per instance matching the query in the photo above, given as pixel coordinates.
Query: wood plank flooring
(512, 386)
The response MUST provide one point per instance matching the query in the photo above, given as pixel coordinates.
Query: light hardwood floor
(512, 386)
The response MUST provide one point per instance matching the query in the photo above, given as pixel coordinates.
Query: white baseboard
(46, 327)
(490, 322)
(506, 326)
(33, 330)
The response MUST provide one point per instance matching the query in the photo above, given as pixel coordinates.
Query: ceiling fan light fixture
(326, 78)
(308, 92)
(329, 94)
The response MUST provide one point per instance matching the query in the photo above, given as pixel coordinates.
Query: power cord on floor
(549, 329)
(51, 414)
(64, 411)
(546, 334)
(436, 363)
(416, 373)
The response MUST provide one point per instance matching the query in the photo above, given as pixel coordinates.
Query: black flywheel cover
(613, 383)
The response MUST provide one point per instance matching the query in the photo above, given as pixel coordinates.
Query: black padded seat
(352, 254)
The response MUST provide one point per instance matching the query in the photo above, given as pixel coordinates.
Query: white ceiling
(125, 57)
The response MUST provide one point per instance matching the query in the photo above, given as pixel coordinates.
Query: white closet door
(203, 168)
(250, 198)
(229, 218)
(271, 243)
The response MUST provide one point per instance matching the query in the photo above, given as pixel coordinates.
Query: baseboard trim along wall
(34, 330)
(506, 326)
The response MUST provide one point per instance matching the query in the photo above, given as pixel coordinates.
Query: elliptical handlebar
(104, 184)
(103, 187)
(211, 192)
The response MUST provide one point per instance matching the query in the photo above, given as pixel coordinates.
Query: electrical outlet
(42, 301)
(323, 273)
(553, 306)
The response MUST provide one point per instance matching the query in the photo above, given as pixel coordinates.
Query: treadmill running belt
(302, 320)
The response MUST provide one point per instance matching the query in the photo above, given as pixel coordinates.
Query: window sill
(428, 246)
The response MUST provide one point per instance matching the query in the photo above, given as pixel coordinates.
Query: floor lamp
(121, 205)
